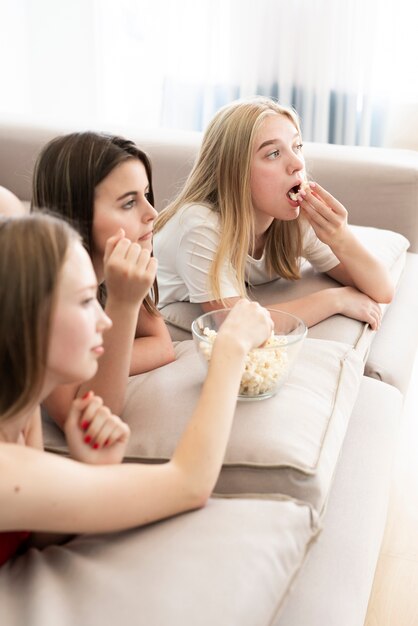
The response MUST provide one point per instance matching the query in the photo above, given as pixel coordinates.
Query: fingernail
(312, 184)
(95, 446)
(87, 439)
(84, 425)
(106, 443)
(86, 395)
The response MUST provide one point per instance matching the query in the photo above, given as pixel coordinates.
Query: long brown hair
(221, 179)
(32, 252)
(66, 173)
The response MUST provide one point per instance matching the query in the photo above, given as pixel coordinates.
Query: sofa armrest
(378, 186)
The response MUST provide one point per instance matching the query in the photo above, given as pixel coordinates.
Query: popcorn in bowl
(263, 368)
(266, 368)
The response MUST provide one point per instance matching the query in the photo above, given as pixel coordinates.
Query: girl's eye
(129, 205)
(88, 301)
(148, 196)
(299, 147)
(273, 155)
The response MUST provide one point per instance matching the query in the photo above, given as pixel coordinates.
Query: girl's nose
(296, 163)
(151, 213)
(103, 321)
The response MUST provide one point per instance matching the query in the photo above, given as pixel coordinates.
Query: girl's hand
(129, 270)
(94, 435)
(358, 306)
(248, 323)
(325, 214)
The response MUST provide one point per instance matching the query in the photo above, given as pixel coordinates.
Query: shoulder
(193, 215)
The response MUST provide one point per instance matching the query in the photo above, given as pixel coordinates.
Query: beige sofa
(293, 531)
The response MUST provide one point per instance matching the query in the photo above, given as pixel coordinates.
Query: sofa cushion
(393, 350)
(286, 444)
(229, 564)
(388, 246)
(334, 586)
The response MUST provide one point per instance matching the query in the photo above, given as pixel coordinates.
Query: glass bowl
(266, 368)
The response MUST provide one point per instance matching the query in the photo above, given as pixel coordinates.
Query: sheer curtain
(344, 65)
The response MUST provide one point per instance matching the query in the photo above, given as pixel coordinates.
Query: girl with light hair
(247, 216)
(51, 334)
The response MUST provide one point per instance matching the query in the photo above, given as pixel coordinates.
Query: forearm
(200, 452)
(112, 375)
(366, 272)
(59, 495)
(314, 307)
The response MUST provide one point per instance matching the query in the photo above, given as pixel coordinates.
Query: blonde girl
(51, 334)
(102, 185)
(246, 216)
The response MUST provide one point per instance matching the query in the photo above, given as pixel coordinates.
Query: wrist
(342, 245)
(337, 296)
(116, 303)
(228, 343)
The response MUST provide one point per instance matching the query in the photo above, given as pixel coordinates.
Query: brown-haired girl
(102, 185)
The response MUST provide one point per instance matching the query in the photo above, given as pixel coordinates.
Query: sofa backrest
(378, 186)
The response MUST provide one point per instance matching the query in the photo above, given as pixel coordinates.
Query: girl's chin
(291, 214)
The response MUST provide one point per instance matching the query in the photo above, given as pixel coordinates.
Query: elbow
(194, 490)
(200, 500)
(168, 356)
(171, 355)
(387, 294)
(199, 494)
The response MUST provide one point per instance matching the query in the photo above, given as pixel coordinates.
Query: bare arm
(358, 267)
(112, 375)
(129, 274)
(152, 346)
(44, 492)
(318, 306)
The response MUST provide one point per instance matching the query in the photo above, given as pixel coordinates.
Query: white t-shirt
(186, 246)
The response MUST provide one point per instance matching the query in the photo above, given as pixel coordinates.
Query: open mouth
(294, 191)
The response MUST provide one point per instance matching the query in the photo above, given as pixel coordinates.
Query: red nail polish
(84, 425)
(87, 439)
(95, 446)
(106, 443)
(86, 395)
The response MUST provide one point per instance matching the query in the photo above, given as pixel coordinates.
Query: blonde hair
(33, 250)
(221, 179)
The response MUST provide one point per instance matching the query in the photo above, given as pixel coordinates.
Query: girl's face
(277, 166)
(77, 322)
(121, 201)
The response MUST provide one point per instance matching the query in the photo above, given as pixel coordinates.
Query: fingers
(131, 252)
(375, 317)
(316, 191)
(318, 202)
(129, 271)
(78, 406)
(100, 427)
(251, 321)
(112, 242)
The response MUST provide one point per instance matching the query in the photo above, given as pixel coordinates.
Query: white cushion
(288, 444)
(230, 563)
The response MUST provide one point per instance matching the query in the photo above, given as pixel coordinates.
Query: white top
(186, 247)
